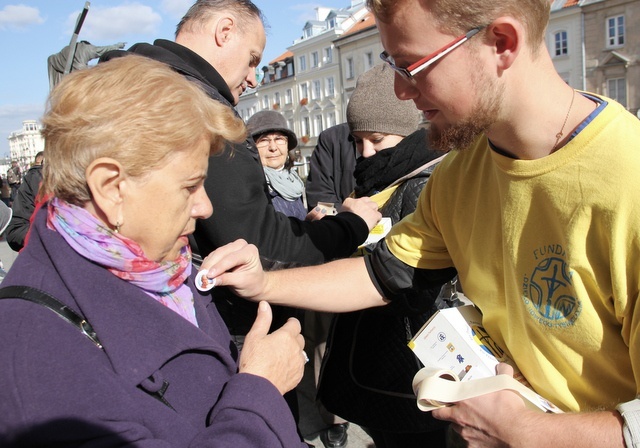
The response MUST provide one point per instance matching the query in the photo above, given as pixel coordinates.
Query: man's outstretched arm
(322, 288)
(339, 286)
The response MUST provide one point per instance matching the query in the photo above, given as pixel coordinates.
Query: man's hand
(364, 207)
(501, 420)
(278, 356)
(488, 420)
(237, 265)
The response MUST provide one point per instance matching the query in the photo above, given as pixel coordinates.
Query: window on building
(305, 126)
(330, 87)
(331, 119)
(328, 54)
(317, 90)
(288, 96)
(561, 43)
(304, 90)
(617, 90)
(303, 63)
(332, 23)
(265, 102)
(368, 60)
(319, 124)
(315, 59)
(349, 67)
(276, 98)
(615, 31)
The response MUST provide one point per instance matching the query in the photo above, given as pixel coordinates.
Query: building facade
(594, 46)
(26, 143)
(564, 42)
(359, 49)
(305, 82)
(612, 49)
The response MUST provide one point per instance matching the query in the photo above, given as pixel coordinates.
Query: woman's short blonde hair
(133, 109)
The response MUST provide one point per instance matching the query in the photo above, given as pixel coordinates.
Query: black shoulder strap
(48, 301)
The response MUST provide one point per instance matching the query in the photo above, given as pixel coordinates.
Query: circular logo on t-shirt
(549, 294)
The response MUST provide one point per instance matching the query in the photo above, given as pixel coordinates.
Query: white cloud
(176, 8)
(308, 12)
(117, 22)
(11, 118)
(19, 17)
(28, 111)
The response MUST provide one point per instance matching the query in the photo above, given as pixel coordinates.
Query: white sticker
(204, 283)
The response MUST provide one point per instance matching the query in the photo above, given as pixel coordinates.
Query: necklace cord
(560, 134)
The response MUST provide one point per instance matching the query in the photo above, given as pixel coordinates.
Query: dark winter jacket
(331, 168)
(59, 389)
(370, 346)
(294, 209)
(241, 204)
(23, 206)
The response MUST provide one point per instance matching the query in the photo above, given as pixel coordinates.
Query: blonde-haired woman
(140, 356)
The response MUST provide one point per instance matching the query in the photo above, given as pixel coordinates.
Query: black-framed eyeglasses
(415, 68)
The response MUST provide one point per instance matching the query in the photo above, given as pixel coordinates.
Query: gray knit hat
(270, 121)
(374, 107)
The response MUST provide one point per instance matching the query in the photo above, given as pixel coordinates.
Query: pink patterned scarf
(87, 235)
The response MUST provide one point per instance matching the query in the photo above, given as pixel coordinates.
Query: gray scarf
(287, 183)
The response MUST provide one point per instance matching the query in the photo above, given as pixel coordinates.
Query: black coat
(331, 168)
(368, 368)
(23, 206)
(242, 206)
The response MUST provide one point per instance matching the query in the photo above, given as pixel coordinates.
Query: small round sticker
(203, 283)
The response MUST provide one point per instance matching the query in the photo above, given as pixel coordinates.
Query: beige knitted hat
(374, 107)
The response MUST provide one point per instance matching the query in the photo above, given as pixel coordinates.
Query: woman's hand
(278, 356)
(364, 207)
(321, 210)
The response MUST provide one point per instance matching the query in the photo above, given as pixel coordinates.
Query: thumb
(261, 326)
(504, 369)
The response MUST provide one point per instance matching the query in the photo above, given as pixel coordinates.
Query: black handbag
(367, 371)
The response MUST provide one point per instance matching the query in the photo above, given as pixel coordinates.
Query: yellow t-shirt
(549, 250)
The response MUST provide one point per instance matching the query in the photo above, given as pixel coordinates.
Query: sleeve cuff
(630, 412)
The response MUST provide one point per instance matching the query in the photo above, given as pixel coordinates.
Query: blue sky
(31, 30)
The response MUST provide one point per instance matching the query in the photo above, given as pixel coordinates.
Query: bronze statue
(83, 54)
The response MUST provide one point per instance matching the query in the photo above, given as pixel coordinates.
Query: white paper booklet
(460, 362)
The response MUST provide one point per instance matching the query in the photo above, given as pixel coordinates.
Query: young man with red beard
(536, 210)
